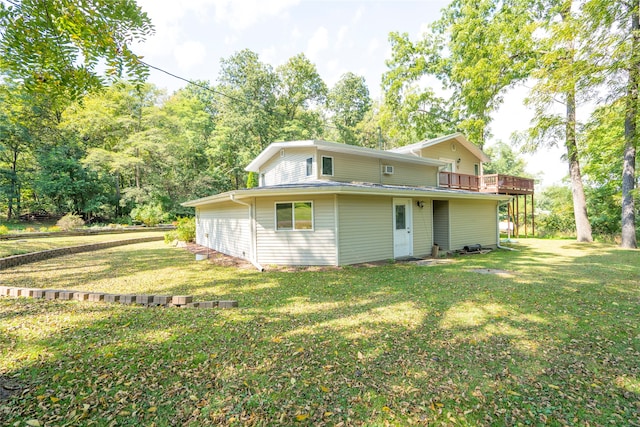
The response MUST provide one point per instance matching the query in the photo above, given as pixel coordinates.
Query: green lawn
(27, 245)
(553, 340)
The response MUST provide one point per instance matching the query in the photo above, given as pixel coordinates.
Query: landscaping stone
(28, 292)
(66, 295)
(81, 296)
(127, 299)
(227, 304)
(162, 299)
(39, 293)
(15, 292)
(4, 290)
(193, 305)
(51, 294)
(208, 304)
(143, 299)
(111, 298)
(96, 297)
(182, 299)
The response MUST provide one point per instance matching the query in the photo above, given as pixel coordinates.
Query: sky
(192, 36)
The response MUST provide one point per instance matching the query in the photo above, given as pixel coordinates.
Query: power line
(191, 82)
(208, 88)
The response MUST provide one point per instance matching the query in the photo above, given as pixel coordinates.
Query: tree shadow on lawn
(386, 344)
(569, 263)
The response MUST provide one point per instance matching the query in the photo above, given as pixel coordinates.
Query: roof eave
(344, 189)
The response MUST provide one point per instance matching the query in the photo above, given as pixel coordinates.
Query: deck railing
(506, 184)
(459, 181)
(497, 183)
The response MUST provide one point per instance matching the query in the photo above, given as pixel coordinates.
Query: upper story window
(309, 166)
(327, 165)
(294, 216)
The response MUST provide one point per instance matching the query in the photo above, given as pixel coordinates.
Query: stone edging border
(16, 260)
(139, 300)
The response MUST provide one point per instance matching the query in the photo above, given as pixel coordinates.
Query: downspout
(498, 228)
(253, 244)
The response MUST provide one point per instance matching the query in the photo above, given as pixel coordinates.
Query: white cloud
(335, 71)
(268, 55)
(240, 15)
(296, 34)
(342, 33)
(168, 22)
(374, 44)
(358, 15)
(189, 54)
(317, 43)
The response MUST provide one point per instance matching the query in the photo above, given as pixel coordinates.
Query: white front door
(402, 230)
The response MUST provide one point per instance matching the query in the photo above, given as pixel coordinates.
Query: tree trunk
(631, 135)
(137, 169)
(583, 227)
(117, 185)
(13, 191)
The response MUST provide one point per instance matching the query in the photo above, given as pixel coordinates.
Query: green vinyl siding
(365, 228)
(472, 221)
(315, 246)
(443, 151)
(422, 235)
(410, 174)
(291, 167)
(348, 167)
(351, 168)
(441, 224)
(226, 228)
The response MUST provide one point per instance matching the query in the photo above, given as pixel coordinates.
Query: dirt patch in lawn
(220, 259)
(8, 388)
(502, 273)
(217, 258)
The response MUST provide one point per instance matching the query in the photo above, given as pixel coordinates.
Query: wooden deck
(495, 184)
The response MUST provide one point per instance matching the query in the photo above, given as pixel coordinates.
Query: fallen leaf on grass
(302, 417)
(34, 423)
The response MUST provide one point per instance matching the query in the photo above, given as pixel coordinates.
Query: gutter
(253, 261)
(498, 228)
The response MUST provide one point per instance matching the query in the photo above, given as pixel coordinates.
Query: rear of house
(322, 203)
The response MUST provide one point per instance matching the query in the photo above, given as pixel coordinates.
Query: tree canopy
(57, 47)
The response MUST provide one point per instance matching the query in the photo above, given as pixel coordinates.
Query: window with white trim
(327, 165)
(294, 216)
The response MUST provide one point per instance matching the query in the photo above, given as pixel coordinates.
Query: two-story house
(325, 203)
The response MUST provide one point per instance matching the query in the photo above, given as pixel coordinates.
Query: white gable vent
(387, 169)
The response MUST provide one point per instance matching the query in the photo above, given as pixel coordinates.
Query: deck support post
(525, 215)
